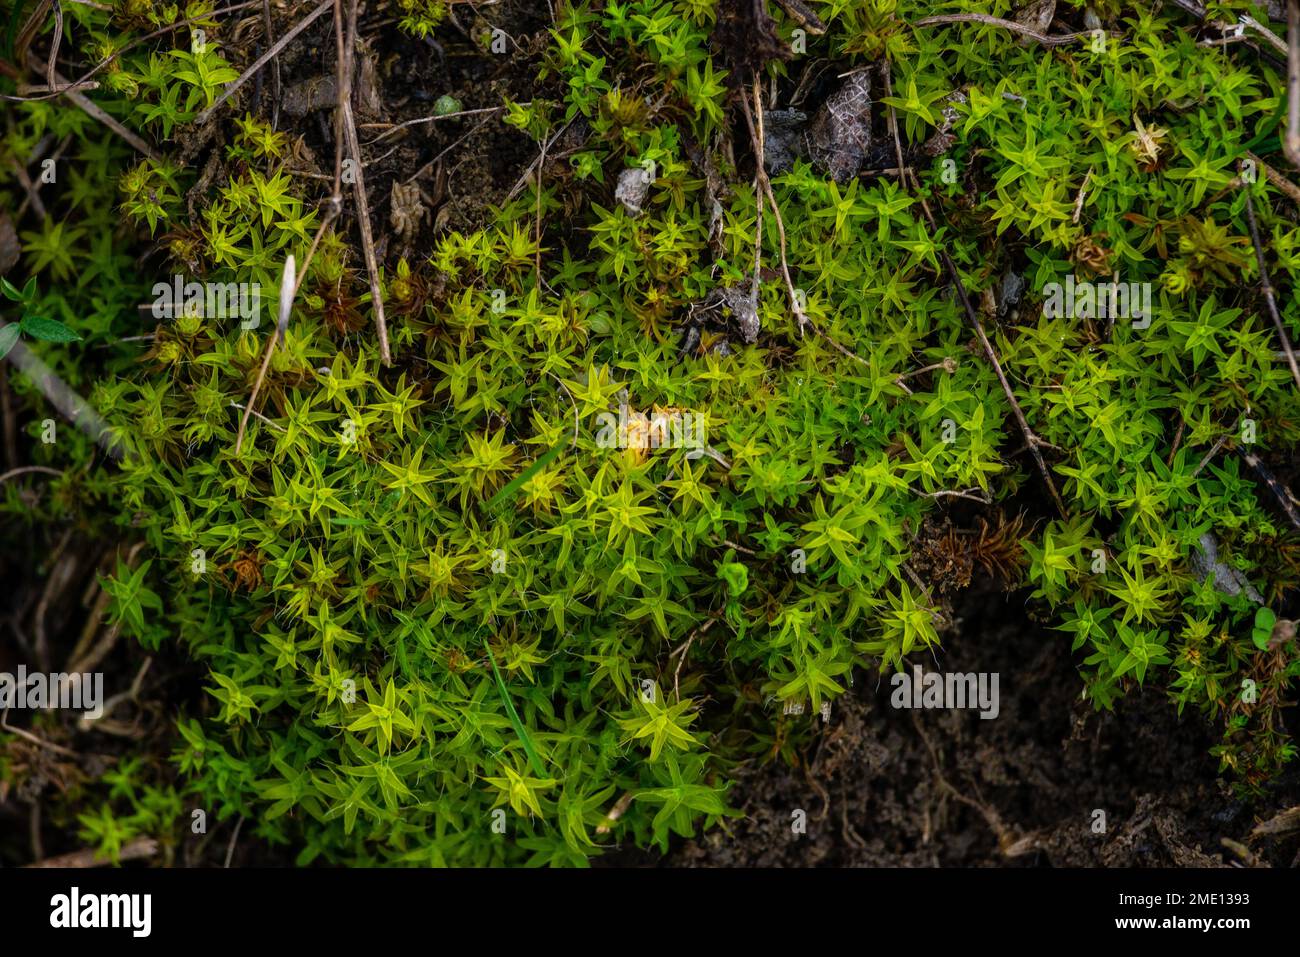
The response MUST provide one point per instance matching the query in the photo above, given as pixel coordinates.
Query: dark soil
(1021, 790)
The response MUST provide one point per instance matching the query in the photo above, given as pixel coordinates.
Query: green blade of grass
(15, 17)
(1268, 132)
(513, 486)
(520, 730)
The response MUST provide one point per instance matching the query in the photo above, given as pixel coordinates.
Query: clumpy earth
(883, 787)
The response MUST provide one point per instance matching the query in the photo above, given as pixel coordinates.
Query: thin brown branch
(970, 494)
(35, 20)
(34, 195)
(1214, 449)
(389, 130)
(1178, 441)
(1078, 200)
(91, 626)
(234, 839)
(680, 654)
(1277, 179)
(137, 849)
(1273, 39)
(1268, 288)
(756, 133)
(1291, 141)
(523, 177)
(10, 422)
(1032, 441)
(87, 656)
(986, 20)
(55, 43)
(367, 237)
(537, 231)
(31, 189)
(342, 89)
(349, 127)
(756, 136)
(259, 416)
(35, 739)
(428, 167)
(62, 568)
(1283, 494)
(739, 547)
(617, 811)
(87, 723)
(902, 167)
(26, 89)
(331, 213)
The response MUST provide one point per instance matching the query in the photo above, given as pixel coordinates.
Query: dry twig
(1291, 141)
(1047, 41)
(349, 128)
(1277, 179)
(1268, 288)
(14, 473)
(1283, 494)
(55, 43)
(141, 847)
(756, 133)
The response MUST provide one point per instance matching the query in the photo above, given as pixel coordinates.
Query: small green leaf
(1263, 633)
(49, 330)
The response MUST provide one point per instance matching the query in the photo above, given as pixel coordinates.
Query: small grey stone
(1228, 580)
(782, 139)
(840, 134)
(744, 310)
(632, 189)
(1011, 292)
